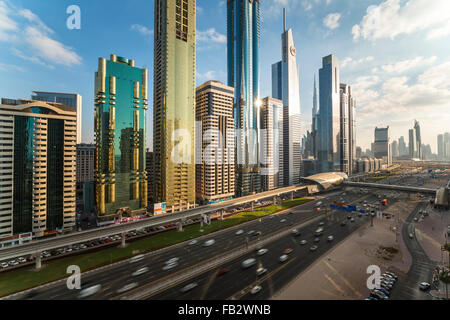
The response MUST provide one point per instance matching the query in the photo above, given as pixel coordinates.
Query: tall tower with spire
(286, 87)
(315, 119)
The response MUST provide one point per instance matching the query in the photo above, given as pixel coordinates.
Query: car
(287, 250)
(4, 265)
(173, 260)
(386, 292)
(303, 242)
(387, 287)
(169, 266)
(262, 252)
(261, 271)
(83, 246)
(255, 289)
(296, 233)
(21, 260)
(411, 236)
(283, 258)
(251, 232)
(387, 275)
(330, 238)
(89, 291)
(424, 286)
(349, 217)
(352, 220)
(189, 287)
(221, 272)
(343, 224)
(137, 258)
(283, 220)
(380, 295)
(209, 243)
(391, 274)
(313, 248)
(316, 240)
(371, 298)
(321, 223)
(192, 242)
(13, 263)
(248, 263)
(239, 232)
(416, 219)
(318, 232)
(140, 271)
(127, 287)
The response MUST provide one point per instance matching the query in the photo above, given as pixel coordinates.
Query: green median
(27, 277)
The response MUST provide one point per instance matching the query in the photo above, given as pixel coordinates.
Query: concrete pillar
(180, 226)
(292, 196)
(253, 205)
(221, 214)
(123, 244)
(38, 262)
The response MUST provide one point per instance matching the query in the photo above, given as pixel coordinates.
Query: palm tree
(444, 276)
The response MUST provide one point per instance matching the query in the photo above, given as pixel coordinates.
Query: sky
(394, 53)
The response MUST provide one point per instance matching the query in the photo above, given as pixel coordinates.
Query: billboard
(159, 208)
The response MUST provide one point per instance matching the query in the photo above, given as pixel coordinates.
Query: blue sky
(395, 53)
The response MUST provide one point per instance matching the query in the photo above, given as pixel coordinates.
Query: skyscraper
(215, 173)
(243, 37)
(402, 149)
(348, 130)
(37, 167)
(121, 103)
(382, 145)
(286, 87)
(412, 143)
(440, 146)
(68, 99)
(272, 111)
(315, 120)
(329, 115)
(394, 149)
(418, 152)
(174, 103)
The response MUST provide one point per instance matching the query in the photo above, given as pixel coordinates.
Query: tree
(444, 276)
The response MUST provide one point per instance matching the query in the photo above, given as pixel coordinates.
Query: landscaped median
(25, 278)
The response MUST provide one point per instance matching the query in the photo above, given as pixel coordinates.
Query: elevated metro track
(389, 187)
(39, 246)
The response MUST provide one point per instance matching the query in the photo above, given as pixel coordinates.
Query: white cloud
(331, 21)
(10, 67)
(33, 59)
(406, 65)
(31, 17)
(7, 25)
(437, 77)
(211, 35)
(208, 75)
(350, 62)
(142, 29)
(395, 17)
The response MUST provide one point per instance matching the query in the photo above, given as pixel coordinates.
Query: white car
(239, 232)
(193, 242)
(303, 242)
(21, 260)
(262, 252)
(140, 271)
(128, 287)
(256, 289)
(424, 286)
(330, 238)
(169, 266)
(137, 258)
(173, 260)
(13, 263)
(251, 232)
(4, 265)
(189, 287)
(209, 243)
(283, 220)
(261, 271)
(248, 263)
(89, 291)
(283, 258)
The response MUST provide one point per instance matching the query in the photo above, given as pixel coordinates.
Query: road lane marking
(342, 278)
(335, 285)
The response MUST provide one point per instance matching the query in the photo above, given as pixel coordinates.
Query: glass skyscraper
(121, 103)
(174, 103)
(243, 30)
(329, 116)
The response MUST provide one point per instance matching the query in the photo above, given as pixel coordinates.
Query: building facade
(37, 167)
(85, 163)
(243, 38)
(347, 139)
(382, 145)
(121, 103)
(418, 152)
(68, 99)
(329, 116)
(215, 168)
(286, 87)
(174, 103)
(412, 147)
(272, 122)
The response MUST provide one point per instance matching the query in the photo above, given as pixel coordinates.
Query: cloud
(331, 21)
(10, 67)
(33, 59)
(395, 17)
(406, 65)
(7, 25)
(211, 35)
(350, 62)
(142, 29)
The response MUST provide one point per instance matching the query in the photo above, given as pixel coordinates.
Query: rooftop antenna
(284, 19)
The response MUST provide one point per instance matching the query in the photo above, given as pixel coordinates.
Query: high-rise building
(402, 149)
(418, 153)
(149, 169)
(347, 139)
(174, 103)
(121, 103)
(447, 146)
(440, 146)
(243, 37)
(85, 163)
(329, 115)
(315, 120)
(68, 99)
(215, 173)
(272, 112)
(412, 143)
(37, 167)
(358, 153)
(286, 87)
(382, 145)
(394, 149)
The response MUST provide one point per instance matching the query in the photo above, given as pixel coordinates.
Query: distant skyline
(399, 69)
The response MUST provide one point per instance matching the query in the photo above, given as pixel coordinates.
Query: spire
(315, 97)
(284, 19)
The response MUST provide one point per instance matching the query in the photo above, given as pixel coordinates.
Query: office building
(315, 120)
(440, 146)
(418, 152)
(215, 173)
(286, 87)
(394, 149)
(382, 145)
(347, 138)
(329, 116)
(68, 99)
(358, 153)
(149, 169)
(37, 167)
(272, 112)
(412, 143)
(121, 103)
(402, 148)
(243, 37)
(85, 163)
(174, 103)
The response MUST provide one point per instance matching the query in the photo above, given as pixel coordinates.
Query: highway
(114, 278)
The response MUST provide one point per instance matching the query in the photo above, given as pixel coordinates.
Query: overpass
(389, 187)
(38, 246)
